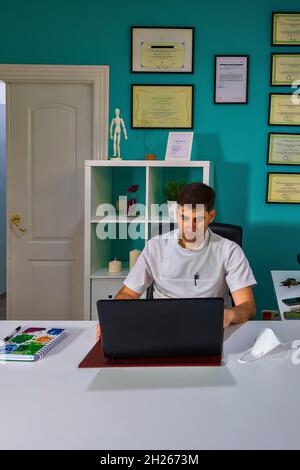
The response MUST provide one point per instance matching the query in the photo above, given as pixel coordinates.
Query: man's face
(193, 223)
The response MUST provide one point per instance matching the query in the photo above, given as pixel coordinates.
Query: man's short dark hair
(197, 193)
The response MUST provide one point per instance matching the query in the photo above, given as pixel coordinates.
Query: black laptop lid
(162, 327)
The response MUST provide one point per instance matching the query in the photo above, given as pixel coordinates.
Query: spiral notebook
(30, 343)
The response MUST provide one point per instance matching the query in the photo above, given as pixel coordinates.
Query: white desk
(51, 404)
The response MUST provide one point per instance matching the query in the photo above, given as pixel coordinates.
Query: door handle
(16, 221)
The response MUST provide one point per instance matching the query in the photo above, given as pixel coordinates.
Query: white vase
(121, 205)
(172, 209)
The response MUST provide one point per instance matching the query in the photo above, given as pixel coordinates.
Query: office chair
(229, 231)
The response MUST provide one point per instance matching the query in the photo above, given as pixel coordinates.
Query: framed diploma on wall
(283, 149)
(285, 69)
(285, 29)
(231, 79)
(163, 49)
(283, 188)
(284, 109)
(162, 106)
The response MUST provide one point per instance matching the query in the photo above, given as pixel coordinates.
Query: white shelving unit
(105, 180)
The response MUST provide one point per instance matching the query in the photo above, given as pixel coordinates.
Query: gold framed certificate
(283, 149)
(283, 188)
(163, 50)
(284, 109)
(162, 106)
(285, 29)
(285, 69)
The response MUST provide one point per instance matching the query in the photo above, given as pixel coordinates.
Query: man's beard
(193, 238)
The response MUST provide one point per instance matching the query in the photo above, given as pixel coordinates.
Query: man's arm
(244, 308)
(126, 293)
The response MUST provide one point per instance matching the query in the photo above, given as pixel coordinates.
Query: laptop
(161, 327)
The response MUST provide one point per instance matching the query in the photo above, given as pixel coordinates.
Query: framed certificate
(283, 188)
(179, 146)
(162, 106)
(163, 50)
(231, 79)
(285, 69)
(284, 109)
(283, 149)
(285, 29)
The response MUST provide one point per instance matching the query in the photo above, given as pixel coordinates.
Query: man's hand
(244, 307)
(125, 294)
(228, 317)
(98, 332)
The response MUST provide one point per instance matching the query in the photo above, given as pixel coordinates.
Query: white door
(50, 137)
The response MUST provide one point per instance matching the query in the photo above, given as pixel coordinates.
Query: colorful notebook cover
(30, 343)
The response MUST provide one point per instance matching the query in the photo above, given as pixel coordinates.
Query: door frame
(98, 77)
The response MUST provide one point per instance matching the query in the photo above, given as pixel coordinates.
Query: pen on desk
(13, 333)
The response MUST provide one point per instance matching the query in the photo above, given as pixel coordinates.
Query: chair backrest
(229, 231)
(232, 232)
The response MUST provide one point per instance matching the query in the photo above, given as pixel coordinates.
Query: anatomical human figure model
(118, 122)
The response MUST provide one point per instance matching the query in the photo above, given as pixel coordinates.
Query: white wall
(2, 93)
(2, 191)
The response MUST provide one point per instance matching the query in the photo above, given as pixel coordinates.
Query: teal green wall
(235, 137)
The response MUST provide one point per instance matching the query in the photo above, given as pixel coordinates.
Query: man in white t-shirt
(193, 261)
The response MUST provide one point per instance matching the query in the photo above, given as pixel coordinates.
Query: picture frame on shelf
(179, 146)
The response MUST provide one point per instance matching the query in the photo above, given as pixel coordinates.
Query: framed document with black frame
(284, 109)
(285, 28)
(283, 149)
(162, 106)
(162, 49)
(285, 69)
(231, 79)
(283, 188)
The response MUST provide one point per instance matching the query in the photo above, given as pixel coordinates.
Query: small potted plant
(125, 205)
(132, 201)
(171, 189)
